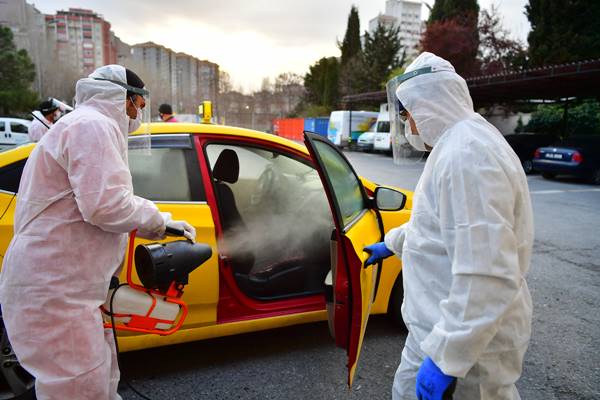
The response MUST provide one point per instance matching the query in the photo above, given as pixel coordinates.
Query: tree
(225, 84)
(444, 10)
(497, 51)
(453, 41)
(563, 31)
(381, 55)
(321, 82)
(582, 119)
(351, 45)
(369, 70)
(289, 87)
(452, 33)
(17, 73)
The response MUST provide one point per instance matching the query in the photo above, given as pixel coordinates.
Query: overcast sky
(251, 39)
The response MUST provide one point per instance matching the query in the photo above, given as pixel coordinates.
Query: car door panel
(356, 226)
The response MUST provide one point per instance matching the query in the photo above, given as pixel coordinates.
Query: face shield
(405, 145)
(139, 127)
(402, 150)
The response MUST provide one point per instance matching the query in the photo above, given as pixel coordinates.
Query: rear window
(170, 173)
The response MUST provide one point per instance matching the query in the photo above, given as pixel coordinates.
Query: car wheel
(548, 175)
(15, 382)
(527, 166)
(595, 179)
(395, 305)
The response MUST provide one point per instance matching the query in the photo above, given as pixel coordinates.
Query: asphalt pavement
(301, 362)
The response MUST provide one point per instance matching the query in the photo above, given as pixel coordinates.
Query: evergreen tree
(17, 72)
(381, 55)
(369, 70)
(351, 45)
(321, 82)
(563, 30)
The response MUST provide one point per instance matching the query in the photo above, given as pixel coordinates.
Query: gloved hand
(432, 383)
(378, 251)
(188, 231)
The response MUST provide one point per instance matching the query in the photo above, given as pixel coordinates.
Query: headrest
(227, 167)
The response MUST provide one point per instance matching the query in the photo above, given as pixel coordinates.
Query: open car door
(350, 286)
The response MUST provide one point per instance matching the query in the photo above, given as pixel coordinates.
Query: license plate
(554, 156)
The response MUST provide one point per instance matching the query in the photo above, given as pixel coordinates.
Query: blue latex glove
(378, 251)
(432, 383)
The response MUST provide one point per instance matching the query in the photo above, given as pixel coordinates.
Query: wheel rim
(527, 166)
(14, 380)
(596, 178)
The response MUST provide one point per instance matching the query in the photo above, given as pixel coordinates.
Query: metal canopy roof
(579, 79)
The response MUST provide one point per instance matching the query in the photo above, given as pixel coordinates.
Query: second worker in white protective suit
(75, 206)
(466, 249)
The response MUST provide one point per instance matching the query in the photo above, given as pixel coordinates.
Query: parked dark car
(576, 156)
(525, 145)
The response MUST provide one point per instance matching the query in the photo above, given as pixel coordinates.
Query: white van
(341, 132)
(14, 131)
(382, 137)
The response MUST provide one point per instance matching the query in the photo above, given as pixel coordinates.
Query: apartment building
(407, 16)
(83, 38)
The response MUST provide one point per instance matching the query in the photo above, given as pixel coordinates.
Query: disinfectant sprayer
(155, 306)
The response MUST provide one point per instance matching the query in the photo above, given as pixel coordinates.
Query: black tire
(15, 382)
(395, 305)
(595, 178)
(527, 166)
(548, 175)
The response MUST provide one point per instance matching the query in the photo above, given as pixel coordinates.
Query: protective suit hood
(436, 100)
(106, 97)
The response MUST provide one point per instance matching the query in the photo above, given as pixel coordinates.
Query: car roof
(164, 128)
(10, 119)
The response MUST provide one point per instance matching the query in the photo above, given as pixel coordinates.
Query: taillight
(537, 153)
(577, 157)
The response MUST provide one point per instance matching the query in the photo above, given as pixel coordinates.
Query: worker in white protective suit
(466, 249)
(75, 206)
(48, 114)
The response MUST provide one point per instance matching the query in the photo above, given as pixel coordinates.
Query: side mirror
(387, 199)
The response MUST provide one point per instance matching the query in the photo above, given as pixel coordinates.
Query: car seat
(226, 171)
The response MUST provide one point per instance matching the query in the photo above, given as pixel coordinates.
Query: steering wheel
(265, 186)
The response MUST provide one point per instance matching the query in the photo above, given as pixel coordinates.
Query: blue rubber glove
(432, 383)
(378, 251)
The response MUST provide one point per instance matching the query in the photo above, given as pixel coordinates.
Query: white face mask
(134, 124)
(414, 140)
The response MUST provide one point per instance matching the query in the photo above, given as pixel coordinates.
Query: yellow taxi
(287, 224)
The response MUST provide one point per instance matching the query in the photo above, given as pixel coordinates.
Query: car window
(169, 173)
(17, 127)
(1, 126)
(346, 186)
(10, 176)
(266, 178)
(383, 126)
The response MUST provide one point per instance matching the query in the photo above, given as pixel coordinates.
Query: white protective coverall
(37, 130)
(467, 247)
(74, 209)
